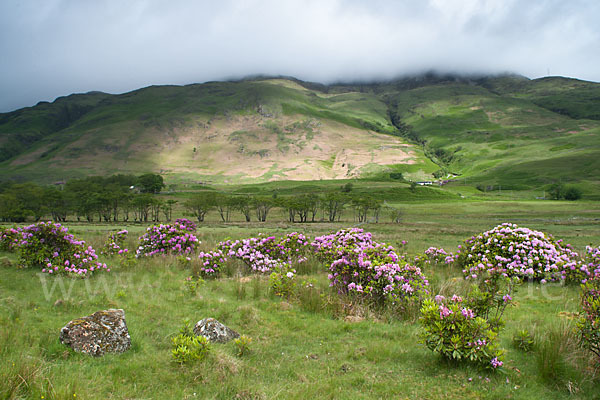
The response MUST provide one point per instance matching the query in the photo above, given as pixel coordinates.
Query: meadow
(310, 344)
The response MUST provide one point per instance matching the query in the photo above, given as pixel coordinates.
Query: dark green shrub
(188, 347)
(589, 322)
(523, 340)
(572, 193)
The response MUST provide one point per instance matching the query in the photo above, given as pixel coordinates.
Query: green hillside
(505, 131)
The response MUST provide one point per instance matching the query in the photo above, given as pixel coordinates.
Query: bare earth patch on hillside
(249, 146)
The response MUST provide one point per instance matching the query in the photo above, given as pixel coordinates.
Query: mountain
(492, 130)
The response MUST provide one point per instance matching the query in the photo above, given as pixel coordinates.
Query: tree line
(113, 198)
(300, 208)
(133, 198)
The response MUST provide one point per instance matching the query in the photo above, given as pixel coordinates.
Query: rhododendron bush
(521, 252)
(467, 328)
(452, 329)
(265, 254)
(434, 256)
(211, 262)
(51, 246)
(592, 260)
(589, 322)
(361, 266)
(186, 224)
(167, 239)
(115, 243)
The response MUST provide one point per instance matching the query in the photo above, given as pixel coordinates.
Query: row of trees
(133, 198)
(301, 208)
(103, 198)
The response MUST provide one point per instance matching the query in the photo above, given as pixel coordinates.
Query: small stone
(214, 331)
(102, 332)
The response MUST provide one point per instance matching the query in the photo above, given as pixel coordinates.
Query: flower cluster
(520, 252)
(10, 238)
(50, 246)
(212, 262)
(331, 247)
(453, 329)
(261, 254)
(296, 246)
(166, 239)
(185, 224)
(435, 256)
(362, 266)
(115, 243)
(264, 254)
(591, 261)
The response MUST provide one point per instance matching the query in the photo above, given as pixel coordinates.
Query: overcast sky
(50, 48)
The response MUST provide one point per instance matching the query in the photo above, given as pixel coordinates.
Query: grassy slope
(502, 140)
(189, 133)
(507, 131)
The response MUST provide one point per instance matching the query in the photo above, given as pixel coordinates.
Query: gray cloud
(56, 47)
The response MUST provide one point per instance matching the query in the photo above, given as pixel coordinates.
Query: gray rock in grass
(214, 331)
(102, 332)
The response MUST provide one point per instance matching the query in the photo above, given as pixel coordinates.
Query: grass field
(303, 346)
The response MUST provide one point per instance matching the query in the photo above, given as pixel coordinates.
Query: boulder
(214, 331)
(102, 332)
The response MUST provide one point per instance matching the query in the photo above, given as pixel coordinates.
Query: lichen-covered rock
(214, 331)
(102, 332)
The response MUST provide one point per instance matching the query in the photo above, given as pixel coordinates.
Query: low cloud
(52, 48)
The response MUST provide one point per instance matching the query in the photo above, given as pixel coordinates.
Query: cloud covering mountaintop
(56, 47)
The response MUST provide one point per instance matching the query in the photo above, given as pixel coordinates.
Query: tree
(167, 209)
(225, 204)
(395, 215)
(200, 204)
(347, 188)
(243, 205)
(333, 205)
(262, 205)
(150, 183)
(572, 193)
(556, 191)
(362, 205)
(141, 207)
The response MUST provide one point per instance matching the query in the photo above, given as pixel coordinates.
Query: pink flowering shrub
(589, 321)
(331, 247)
(434, 256)
(265, 254)
(472, 335)
(185, 224)
(50, 246)
(453, 330)
(523, 253)
(115, 243)
(10, 238)
(211, 263)
(166, 239)
(259, 254)
(592, 261)
(363, 267)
